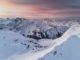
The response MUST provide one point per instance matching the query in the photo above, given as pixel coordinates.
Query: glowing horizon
(18, 8)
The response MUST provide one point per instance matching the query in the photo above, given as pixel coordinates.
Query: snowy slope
(9, 45)
(16, 45)
(67, 47)
(12, 46)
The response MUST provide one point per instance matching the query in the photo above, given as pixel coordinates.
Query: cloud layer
(45, 7)
(54, 4)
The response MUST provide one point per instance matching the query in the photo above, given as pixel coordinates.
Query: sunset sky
(39, 8)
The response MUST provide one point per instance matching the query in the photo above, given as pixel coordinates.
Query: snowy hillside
(66, 47)
(14, 46)
(24, 39)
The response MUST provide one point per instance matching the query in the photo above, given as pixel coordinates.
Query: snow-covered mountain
(67, 47)
(39, 28)
(25, 39)
(36, 29)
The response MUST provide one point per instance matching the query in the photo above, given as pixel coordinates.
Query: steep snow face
(66, 47)
(69, 50)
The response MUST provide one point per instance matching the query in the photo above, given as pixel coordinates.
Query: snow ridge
(70, 34)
